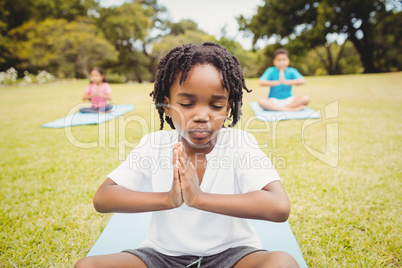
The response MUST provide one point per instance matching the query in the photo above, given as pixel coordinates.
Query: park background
(343, 215)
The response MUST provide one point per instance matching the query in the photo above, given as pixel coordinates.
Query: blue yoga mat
(127, 231)
(271, 116)
(78, 119)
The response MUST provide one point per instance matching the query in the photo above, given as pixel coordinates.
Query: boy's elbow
(98, 204)
(284, 212)
(281, 214)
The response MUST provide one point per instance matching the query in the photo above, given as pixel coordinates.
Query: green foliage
(313, 22)
(345, 60)
(61, 47)
(17, 12)
(246, 58)
(123, 23)
(182, 26)
(14, 13)
(388, 40)
(9, 77)
(126, 27)
(188, 33)
(57, 9)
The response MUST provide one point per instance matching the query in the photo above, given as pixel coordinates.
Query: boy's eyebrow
(186, 95)
(219, 97)
(192, 96)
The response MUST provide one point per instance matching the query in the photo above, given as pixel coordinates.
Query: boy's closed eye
(186, 104)
(218, 105)
(213, 105)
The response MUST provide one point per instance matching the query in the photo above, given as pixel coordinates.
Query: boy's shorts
(282, 102)
(225, 259)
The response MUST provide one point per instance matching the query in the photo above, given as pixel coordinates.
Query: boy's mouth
(199, 133)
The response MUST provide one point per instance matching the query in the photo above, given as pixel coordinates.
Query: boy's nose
(201, 117)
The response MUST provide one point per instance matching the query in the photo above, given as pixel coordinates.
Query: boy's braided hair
(181, 59)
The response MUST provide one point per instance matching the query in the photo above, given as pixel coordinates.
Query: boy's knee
(85, 262)
(262, 101)
(306, 99)
(282, 260)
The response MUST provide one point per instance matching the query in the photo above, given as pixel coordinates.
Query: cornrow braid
(181, 59)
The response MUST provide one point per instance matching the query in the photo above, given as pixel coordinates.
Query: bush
(44, 77)
(10, 77)
(116, 78)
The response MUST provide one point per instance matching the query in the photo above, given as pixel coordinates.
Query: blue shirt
(280, 91)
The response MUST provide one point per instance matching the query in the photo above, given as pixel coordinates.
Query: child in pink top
(98, 92)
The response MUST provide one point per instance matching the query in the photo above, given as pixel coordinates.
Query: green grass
(344, 215)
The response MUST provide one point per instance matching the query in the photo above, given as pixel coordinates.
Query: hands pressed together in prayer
(186, 185)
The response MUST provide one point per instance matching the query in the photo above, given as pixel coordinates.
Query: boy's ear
(228, 108)
(166, 106)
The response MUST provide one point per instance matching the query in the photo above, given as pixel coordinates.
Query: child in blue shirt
(281, 78)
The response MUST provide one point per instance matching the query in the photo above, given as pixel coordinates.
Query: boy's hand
(190, 185)
(175, 193)
(282, 78)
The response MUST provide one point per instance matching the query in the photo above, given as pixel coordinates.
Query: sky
(210, 15)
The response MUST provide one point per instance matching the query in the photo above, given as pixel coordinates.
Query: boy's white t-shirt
(235, 165)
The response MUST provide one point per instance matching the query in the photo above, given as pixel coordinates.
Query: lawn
(343, 173)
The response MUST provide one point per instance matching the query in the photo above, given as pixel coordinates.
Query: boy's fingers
(184, 161)
(181, 170)
(183, 156)
(176, 172)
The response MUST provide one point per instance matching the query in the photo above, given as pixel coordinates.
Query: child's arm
(88, 93)
(87, 96)
(270, 203)
(107, 96)
(111, 197)
(270, 83)
(291, 82)
(266, 79)
(282, 80)
(105, 92)
(295, 82)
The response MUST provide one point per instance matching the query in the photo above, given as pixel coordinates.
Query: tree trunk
(366, 52)
(323, 61)
(338, 58)
(329, 57)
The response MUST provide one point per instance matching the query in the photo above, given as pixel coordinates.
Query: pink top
(104, 89)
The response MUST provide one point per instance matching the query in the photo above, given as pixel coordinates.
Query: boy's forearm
(270, 83)
(261, 205)
(115, 198)
(295, 82)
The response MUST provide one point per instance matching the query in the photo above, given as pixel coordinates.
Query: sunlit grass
(344, 215)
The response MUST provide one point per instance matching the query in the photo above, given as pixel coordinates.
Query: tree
(182, 32)
(126, 27)
(316, 60)
(388, 37)
(63, 48)
(177, 28)
(59, 9)
(14, 13)
(246, 58)
(316, 22)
